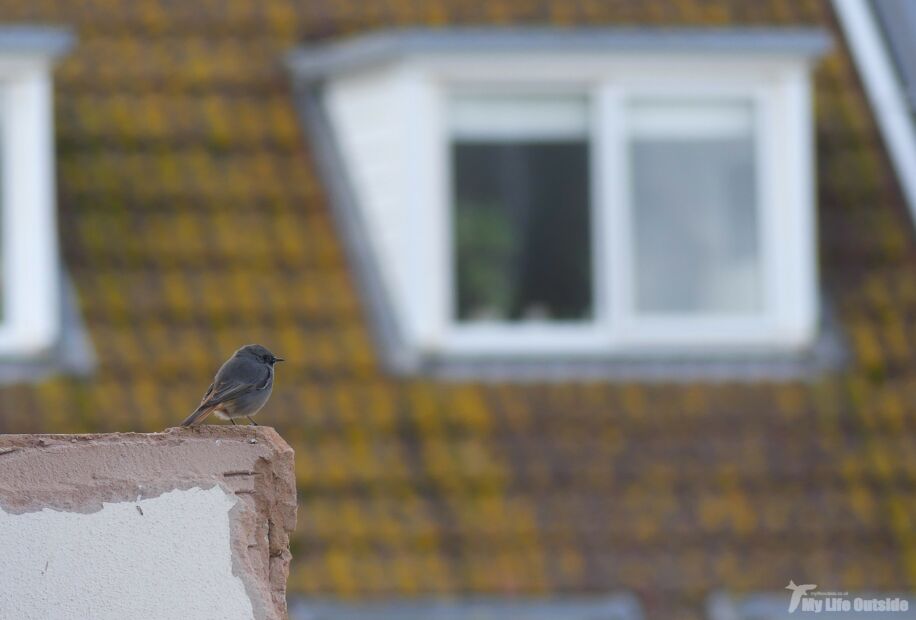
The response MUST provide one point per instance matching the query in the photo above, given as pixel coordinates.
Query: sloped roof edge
(316, 62)
(886, 94)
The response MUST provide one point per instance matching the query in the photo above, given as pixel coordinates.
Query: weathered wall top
(184, 523)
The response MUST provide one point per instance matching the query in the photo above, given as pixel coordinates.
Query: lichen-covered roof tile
(194, 221)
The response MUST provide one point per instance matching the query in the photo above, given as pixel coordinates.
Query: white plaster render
(163, 558)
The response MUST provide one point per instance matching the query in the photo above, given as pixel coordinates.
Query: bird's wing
(235, 379)
(207, 393)
(226, 391)
(214, 397)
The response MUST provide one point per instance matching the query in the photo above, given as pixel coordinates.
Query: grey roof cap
(323, 60)
(49, 41)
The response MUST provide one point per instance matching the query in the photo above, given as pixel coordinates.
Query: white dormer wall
(372, 122)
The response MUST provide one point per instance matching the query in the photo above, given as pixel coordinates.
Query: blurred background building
(592, 309)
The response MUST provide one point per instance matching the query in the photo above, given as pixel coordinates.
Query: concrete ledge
(188, 523)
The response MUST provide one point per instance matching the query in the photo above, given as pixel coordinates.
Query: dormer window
(542, 195)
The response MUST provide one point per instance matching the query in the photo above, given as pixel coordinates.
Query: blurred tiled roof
(193, 222)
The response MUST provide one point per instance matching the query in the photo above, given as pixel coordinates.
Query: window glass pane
(694, 200)
(521, 202)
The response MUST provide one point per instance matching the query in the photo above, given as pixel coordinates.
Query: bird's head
(256, 351)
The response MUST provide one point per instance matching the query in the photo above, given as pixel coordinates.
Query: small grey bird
(241, 386)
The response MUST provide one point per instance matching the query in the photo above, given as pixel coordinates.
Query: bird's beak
(279, 359)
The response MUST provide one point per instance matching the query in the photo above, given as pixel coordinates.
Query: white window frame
(30, 322)
(778, 85)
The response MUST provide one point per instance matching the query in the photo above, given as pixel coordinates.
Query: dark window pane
(522, 241)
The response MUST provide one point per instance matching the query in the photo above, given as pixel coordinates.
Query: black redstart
(241, 386)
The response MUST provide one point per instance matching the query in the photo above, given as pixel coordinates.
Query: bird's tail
(199, 415)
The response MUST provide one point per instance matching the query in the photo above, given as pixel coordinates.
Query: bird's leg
(253, 423)
(233, 421)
